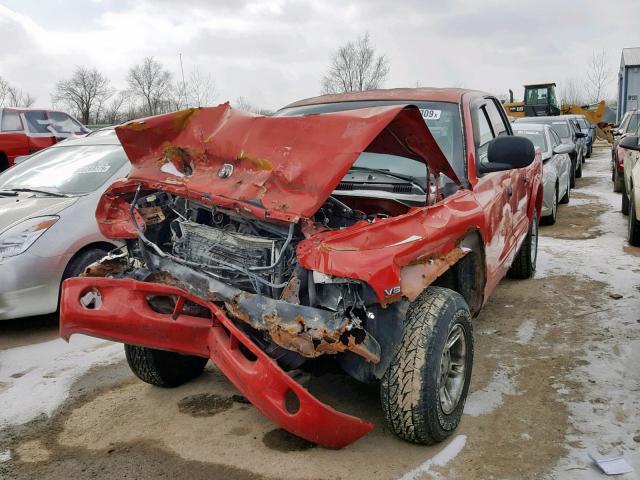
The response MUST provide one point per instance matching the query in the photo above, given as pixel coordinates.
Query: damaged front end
(216, 213)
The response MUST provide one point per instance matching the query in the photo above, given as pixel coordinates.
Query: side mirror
(563, 148)
(580, 135)
(508, 152)
(630, 143)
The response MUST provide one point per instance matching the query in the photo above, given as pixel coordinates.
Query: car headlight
(19, 238)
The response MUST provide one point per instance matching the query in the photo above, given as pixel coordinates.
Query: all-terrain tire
(567, 196)
(634, 224)
(524, 265)
(579, 163)
(552, 217)
(572, 177)
(589, 151)
(410, 388)
(162, 368)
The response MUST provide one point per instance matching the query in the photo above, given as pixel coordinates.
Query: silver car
(556, 169)
(48, 230)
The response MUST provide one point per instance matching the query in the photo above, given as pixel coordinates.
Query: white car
(556, 168)
(48, 230)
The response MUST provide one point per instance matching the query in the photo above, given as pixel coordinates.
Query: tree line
(152, 89)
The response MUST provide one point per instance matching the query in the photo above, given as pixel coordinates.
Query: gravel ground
(556, 377)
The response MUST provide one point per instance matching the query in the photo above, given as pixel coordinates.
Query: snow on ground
(487, 400)
(35, 379)
(605, 418)
(438, 460)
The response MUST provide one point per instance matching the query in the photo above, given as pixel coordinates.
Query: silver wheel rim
(453, 369)
(534, 239)
(554, 208)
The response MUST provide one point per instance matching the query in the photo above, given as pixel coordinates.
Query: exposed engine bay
(249, 266)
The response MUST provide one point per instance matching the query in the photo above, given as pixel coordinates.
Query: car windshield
(537, 137)
(442, 118)
(76, 169)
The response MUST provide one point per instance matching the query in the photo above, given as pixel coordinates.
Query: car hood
(14, 210)
(285, 167)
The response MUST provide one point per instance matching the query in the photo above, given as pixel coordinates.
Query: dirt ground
(555, 377)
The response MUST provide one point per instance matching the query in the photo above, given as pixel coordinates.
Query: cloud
(273, 52)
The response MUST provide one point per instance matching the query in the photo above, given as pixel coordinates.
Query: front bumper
(122, 313)
(29, 285)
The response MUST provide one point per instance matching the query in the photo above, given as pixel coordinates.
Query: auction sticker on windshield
(430, 114)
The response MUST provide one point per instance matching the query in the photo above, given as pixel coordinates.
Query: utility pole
(184, 86)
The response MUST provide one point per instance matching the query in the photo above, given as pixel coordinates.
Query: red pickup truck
(361, 231)
(24, 131)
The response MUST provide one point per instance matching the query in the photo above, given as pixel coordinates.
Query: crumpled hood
(14, 210)
(285, 166)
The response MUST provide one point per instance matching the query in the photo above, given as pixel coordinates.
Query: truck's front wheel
(162, 368)
(425, 387)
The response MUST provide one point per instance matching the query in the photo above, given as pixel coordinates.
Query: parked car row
(565, 142)
(625, 166)
(351, 227)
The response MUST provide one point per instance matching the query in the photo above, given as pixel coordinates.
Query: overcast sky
(274, 52)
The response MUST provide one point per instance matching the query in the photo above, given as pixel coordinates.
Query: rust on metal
(414, 278)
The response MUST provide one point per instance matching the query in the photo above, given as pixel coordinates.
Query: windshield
(537, 137)
(392, 163)
(442, 118)
(72, 170)
(584, 125)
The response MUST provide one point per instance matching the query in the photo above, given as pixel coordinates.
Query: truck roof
(453, 95)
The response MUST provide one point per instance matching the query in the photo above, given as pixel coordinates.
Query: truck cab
(24, 131)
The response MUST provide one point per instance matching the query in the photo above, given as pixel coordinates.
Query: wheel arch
(468, 275)
(99, 245)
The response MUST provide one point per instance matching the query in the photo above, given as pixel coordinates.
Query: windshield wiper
(35, 190)
(406, 178)
(4, 193)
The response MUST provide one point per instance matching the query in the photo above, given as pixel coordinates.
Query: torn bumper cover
(120, 311)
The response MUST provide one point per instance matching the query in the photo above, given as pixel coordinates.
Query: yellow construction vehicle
(539, 100)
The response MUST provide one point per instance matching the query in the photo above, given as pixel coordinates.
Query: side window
(11, 121)
(37, 121)
(555, 139)
(497, 121)
(482, 132)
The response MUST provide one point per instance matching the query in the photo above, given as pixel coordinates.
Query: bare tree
(572, 93)
(11, 96)
(598, 76)
(200, 89)
(245, 105)
(85, 92)
(355, 67)
(113, 113)
(151, 83)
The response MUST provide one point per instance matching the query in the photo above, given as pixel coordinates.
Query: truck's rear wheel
(425, 387)
(524, 265)
(162, 368)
